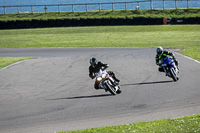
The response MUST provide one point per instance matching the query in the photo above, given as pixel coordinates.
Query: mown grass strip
(188, 124)
(185, 37)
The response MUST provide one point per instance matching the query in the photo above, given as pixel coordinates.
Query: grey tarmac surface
(54, 93)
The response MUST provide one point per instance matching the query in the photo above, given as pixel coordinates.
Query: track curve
(54, 92)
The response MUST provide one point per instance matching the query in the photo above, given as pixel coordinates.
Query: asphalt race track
(54, 92)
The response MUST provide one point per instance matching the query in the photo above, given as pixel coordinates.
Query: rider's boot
(117, 80)
(177, 62)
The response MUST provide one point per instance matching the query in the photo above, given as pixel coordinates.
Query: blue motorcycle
(170, 68)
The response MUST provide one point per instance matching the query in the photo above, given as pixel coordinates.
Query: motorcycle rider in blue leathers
(162, 54)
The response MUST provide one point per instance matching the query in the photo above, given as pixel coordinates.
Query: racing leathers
(163, 55)
(95, 69)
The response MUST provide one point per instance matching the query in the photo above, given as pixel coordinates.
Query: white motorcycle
(107, 82)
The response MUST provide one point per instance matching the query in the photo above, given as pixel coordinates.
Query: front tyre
(173, 75)
(119, 91)
(111, 89)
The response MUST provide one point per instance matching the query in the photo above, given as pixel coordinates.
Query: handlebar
(105, 67)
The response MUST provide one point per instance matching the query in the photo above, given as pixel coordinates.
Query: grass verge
(5, 61)
(188, 124)
(185, 37)
(146, 13)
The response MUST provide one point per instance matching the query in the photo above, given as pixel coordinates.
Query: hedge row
(18, 24)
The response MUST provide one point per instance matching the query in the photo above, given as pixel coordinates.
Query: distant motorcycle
(170, 68)
(107, 82)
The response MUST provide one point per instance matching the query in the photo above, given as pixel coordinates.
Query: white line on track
(12, 64)
(188, 57)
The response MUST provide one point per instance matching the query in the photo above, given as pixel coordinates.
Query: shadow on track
(80, 97)
(144, 83)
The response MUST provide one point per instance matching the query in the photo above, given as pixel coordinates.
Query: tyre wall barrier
(19, 24)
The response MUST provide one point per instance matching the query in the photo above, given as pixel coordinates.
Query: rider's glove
(158, 64)
(91, 76)
(107, 66)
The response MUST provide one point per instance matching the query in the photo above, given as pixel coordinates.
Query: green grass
(5, 61)
(188, 124)
(185, 37)
(146, 13)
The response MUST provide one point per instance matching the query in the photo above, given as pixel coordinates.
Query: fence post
(138, 3)
(59, 8)
(18, 9)
(125, 5)
(151, 4)
(112, 6)
(86, 6)
(176, 3)
(99, 7)
(187, 4)
(4, 10)
(163, 4)
(45, 8)
(32, 8)
(73, 8)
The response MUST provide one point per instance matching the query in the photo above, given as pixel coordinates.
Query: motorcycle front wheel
(173, 75)
(110, 89)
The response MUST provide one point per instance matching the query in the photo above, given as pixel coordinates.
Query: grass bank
(146, 13)
(188, 124)
(185, 37)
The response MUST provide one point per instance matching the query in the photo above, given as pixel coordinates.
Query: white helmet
(159, 50)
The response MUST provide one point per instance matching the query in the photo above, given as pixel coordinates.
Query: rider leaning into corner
(95, 66)
(161, 54)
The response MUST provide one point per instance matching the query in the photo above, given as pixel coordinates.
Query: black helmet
(159, 50)
(93, 61)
